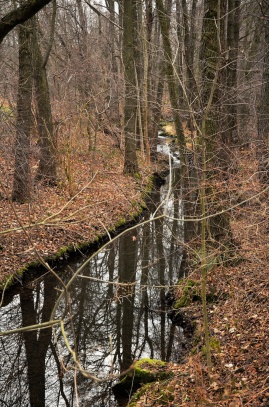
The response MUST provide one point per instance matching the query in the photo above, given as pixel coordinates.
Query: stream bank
(238, 320)
(55, 222)
(116, 311)
(81, 249)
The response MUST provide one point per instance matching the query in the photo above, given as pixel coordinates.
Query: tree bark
(20, 15)
(263, 118)
(156, 77)
(47, 161)
(130, 159)
(209, 56)
(173, 86)
(21, 179)
(233, 26)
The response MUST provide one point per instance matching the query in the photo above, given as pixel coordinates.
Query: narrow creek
(112, 323)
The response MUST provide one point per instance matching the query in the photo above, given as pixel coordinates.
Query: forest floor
(92, 197)
(238, 319)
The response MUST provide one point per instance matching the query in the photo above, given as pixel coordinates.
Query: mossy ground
(143, 371)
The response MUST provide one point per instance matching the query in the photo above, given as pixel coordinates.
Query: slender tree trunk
(188, 22)
(173, 85)
(127, 274)
(263, 121)
(114, 103)
(21, 179)
(252, 33)
(47, 162)
(233, 25)
(156, 84)
(36, 344)
(130, 159)
(210, 55)
(146, 39)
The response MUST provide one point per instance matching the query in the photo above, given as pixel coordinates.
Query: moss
(139, 208)
(191, 292)
(120, 222)
(149, 186)
(139, 393)
(147, 369)
(143, 371)
(163, 392)
(154, 181)
(195, 348)
(6, 283)
(6, 110)
(215, 344)
(62, 252)
(12, 279)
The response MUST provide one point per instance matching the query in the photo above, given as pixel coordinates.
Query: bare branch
(20, 15)
(102, 15)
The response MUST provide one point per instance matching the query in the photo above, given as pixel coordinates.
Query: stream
(118, 309)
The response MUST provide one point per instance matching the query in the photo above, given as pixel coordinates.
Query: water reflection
(117, 309)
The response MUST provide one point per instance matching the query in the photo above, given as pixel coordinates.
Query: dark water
(111, 323)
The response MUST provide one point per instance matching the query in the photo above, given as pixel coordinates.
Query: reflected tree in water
(116, 314)
(37, 342)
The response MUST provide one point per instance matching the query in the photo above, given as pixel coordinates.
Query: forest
(134, 157)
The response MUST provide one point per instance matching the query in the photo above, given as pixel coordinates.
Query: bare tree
(170, 76)
(130, 160)
(263, 121)
(19, 15)
(47, 162)
(21, 181)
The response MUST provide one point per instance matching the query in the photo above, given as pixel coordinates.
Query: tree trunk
(127, 274)
(21, 181)
(47, 160)
(130, 159)
(189, 36)
(173, 86)
(156, 78)
(36, 344)
(233, 26)
(209, 55)
(263, 120)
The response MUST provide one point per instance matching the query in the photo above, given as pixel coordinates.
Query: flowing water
(118, 314)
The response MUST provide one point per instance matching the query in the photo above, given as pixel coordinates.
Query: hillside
(238, 317)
